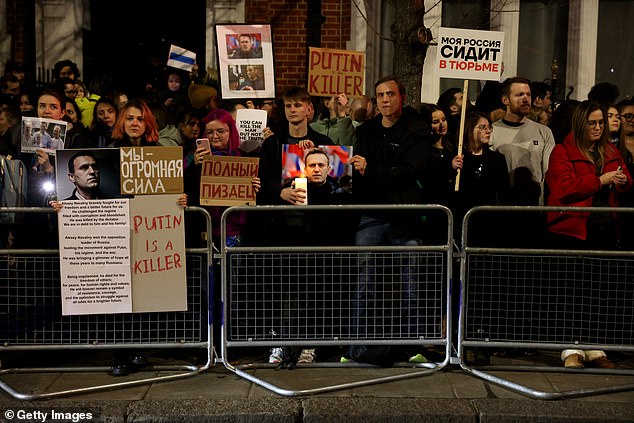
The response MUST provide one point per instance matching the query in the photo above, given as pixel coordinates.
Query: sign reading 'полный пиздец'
(470, 54)
(226, 181)
(151, 170)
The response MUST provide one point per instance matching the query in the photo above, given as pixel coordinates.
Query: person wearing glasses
(221, 131)
(626, 141)
(586, 171)
(626, 148)
(484, 177)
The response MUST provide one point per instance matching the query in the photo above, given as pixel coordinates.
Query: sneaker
(120, 369)
(418, 358)
(139, 360)
(345, 359)
(276, 356)
(574, 361)
(307, 356)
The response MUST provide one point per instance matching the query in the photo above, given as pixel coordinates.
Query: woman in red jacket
(585, 171)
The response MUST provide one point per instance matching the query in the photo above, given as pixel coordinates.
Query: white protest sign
(470, 54)
(251, 124)
(94, 252)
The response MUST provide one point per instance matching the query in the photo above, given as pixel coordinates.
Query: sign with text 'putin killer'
(470, 54)
(226, 181)
(332, 72)
(159, 279)
(151, 170)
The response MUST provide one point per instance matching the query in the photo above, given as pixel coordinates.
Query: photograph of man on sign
(244, 46)
(88, 174)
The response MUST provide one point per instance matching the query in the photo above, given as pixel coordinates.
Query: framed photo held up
(245, 61)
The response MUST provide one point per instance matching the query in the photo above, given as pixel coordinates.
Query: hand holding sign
(469, 54)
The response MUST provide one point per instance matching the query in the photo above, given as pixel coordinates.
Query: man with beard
(526, 144)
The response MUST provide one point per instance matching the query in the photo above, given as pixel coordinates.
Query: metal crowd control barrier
(30, 316)
(278, 294)
(537, 297)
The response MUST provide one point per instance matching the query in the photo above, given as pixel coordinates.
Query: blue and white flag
(181, 58)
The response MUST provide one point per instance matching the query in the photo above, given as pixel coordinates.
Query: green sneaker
(418, 358)
(345, 359)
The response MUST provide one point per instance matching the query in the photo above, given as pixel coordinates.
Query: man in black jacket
(280, 228)
(392, 153)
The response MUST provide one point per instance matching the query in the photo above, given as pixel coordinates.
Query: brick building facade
(294, 26)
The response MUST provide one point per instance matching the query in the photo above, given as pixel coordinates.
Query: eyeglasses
(485, 128)
(628, 116)
(220, 132)
(593, 123)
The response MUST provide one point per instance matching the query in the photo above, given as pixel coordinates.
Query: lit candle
(302, 183)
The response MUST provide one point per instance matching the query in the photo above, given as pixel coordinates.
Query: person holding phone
(222, 139)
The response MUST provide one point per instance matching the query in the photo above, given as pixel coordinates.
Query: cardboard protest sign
(181, 58)
(159, 281)
(332, 72)
(151, 170)
(94, 252)
(226, 181)
(48, 134)
(469, 54)
(251, 124)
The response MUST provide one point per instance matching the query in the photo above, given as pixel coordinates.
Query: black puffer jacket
(397, 160)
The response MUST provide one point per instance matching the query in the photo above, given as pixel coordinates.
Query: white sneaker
(307, 356)
(276, 356)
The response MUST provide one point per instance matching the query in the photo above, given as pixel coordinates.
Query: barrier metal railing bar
(262, 283)
(543, 295)
(497, 263)
(80, 332)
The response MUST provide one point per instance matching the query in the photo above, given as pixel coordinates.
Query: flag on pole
(181, 58)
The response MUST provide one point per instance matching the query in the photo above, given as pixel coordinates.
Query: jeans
(375, 232)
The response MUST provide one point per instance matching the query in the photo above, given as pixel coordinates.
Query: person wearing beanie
(203, 97)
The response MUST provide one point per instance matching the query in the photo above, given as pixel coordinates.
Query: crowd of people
(519, 147)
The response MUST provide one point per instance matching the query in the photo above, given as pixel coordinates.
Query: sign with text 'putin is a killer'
(332, 72)
(226, 181)
(470, 54)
